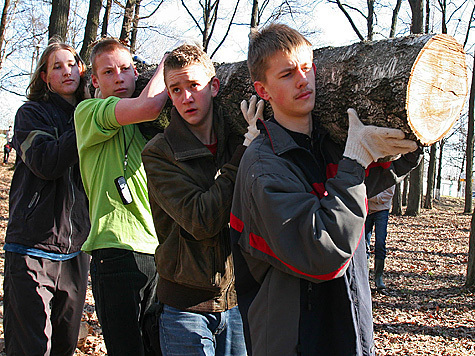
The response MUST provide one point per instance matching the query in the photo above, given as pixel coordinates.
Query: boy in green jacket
(122, 238)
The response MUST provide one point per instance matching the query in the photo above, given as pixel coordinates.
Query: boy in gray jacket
(299, 209)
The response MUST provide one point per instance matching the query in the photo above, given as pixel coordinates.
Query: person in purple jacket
(298, 212)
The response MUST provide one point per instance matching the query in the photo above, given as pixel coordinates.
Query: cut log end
(437, 89)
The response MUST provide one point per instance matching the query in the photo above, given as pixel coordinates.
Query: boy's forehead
(301, 54)
(122, 56)
(191, 73)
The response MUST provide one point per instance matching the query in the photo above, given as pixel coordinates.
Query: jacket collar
(183, 142)
(279, 138)
(57, 100)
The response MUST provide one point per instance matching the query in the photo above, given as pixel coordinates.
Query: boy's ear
(136, 73)
(314, 68)
(94, 81)
(261, 90)
(214, 86)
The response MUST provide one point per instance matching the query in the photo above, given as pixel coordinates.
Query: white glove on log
(366, 144)
(251, 115)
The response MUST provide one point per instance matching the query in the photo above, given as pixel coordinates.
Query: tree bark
(135, 27)
(417, 10)
(3, 26)
(439, 170)
(90, 32)
(405, 191)
(127, 21)
(415, 83)
(415, 190)
(58, 20)
(370, 19)
(397, 201)
(105, 20)
(392, 31)
(255, 14)
(470, 278)
(469, 148)
(430, 177)
(386, 81)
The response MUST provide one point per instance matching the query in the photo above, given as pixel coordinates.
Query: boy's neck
(297, 124)
(204, 131)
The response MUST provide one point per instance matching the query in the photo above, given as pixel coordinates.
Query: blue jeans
(185, 333)
(379, 220)
(123, 285)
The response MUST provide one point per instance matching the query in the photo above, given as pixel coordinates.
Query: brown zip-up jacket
(190, 194)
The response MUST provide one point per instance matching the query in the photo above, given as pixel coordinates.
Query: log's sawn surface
(416, 83)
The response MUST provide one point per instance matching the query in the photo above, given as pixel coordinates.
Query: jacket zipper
(71, 211)
(34, 200)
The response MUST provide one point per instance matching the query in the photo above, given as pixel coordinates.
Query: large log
(416, 83)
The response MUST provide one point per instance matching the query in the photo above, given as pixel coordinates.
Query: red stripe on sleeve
(332, 169)
(384, 165)
(236, 223)
(261, 245)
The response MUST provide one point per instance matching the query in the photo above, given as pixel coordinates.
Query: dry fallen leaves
(425, 309)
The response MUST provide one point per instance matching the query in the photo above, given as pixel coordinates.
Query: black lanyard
(126, 148)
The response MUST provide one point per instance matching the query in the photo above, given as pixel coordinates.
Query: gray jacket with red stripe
(301, 273)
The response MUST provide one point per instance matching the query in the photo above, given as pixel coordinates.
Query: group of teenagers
(204, 240)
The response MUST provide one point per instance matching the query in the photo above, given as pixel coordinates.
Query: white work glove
(366, 144)
(251, 115)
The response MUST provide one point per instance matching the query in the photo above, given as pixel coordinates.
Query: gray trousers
(43, 303)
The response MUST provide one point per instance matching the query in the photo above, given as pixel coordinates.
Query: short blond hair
(106, 45)
(187, 55)
(264, 43)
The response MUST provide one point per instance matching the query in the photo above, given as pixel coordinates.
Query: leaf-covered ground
(425, 310)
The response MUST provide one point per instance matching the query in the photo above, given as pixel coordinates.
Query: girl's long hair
(38, 90)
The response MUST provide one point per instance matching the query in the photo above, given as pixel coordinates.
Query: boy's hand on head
(251, 115)
(367, 143)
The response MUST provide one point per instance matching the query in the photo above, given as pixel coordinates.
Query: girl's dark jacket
(190, 194)
(48, 206)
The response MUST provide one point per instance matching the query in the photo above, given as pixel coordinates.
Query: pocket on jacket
(196, 264)
(41, 216)
(33, 199)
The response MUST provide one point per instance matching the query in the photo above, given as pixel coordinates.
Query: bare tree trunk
(392, 32)
(397, 200)
(443, 10)
(439, 171)
(369, 19)
(90, 32)
(58, 20)
(417, 9)
(470, 279)
(469, 27)
(3, 26)
(135, 26)
(405, 192)
(127, 22)
(469, 148)
(105, 20)
(255, 14)
(427, 26)
(415, 190)
(430, 177)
